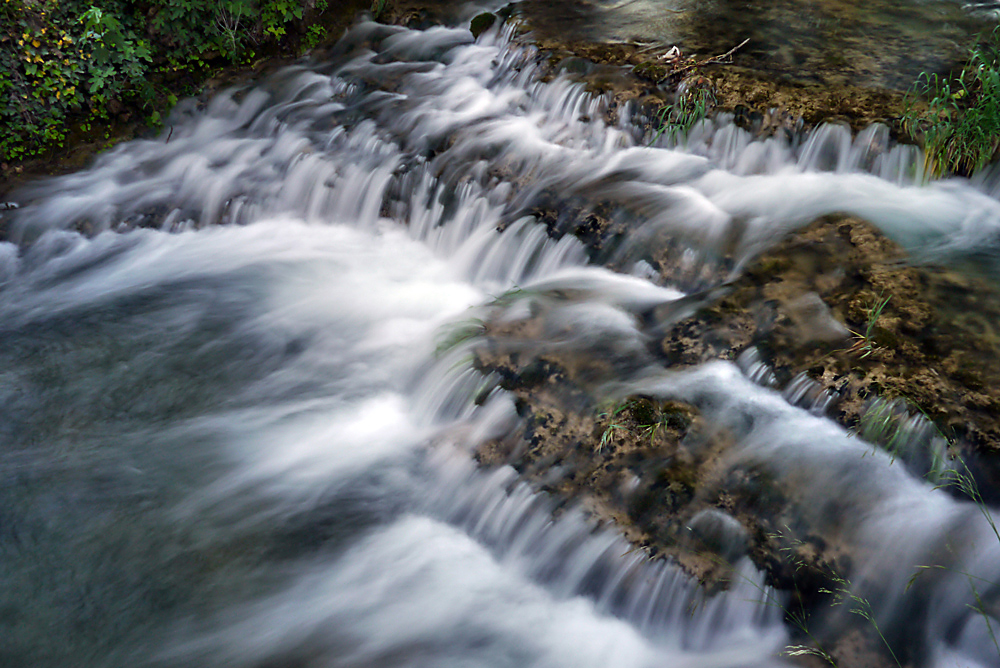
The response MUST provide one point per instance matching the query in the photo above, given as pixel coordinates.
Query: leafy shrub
(193, 29)
(54, 60)
(960, 129)
(67, 63)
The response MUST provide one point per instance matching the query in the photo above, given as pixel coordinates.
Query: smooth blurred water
(231, 436)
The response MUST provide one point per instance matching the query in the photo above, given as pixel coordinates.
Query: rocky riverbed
(800, 318)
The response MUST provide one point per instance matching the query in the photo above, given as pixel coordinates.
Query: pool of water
(882, 44)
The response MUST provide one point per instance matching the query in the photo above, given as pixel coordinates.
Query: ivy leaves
(81, 59)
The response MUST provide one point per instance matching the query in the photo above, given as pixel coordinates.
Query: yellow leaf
(35, 43)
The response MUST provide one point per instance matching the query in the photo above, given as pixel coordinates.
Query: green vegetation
(794, 614)
(639, 416)
(676, 120)
(960, 127)
(864, 342)
(615, 425)
(66, 64)
(904, 430)
(618, 418)
(843, 594)
(960, 478)
(455, 334)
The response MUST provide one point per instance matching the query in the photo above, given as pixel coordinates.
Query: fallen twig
(723, 58)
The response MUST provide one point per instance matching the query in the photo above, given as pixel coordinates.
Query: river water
(882, 44)
(231, 435)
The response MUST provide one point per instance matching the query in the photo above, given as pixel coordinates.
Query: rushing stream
(235, 439)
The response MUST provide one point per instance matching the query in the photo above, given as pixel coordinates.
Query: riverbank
(763, 98)
(88, 136)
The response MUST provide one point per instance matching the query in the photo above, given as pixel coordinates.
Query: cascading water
(237, 439)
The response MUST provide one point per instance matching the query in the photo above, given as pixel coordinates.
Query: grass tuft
(865, 341)
(676, 120)
(960, 127)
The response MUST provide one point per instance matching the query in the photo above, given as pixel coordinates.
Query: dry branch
(723, 58)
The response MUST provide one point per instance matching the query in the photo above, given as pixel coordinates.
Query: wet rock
(718, 532)
(482, 23)
(839, 302)
(811, 318)
(815, 321)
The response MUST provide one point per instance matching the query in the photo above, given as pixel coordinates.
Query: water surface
(878, 44)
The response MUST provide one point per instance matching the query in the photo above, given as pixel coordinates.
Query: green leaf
(101, 55)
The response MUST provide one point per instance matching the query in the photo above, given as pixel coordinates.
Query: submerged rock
(718, 532)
